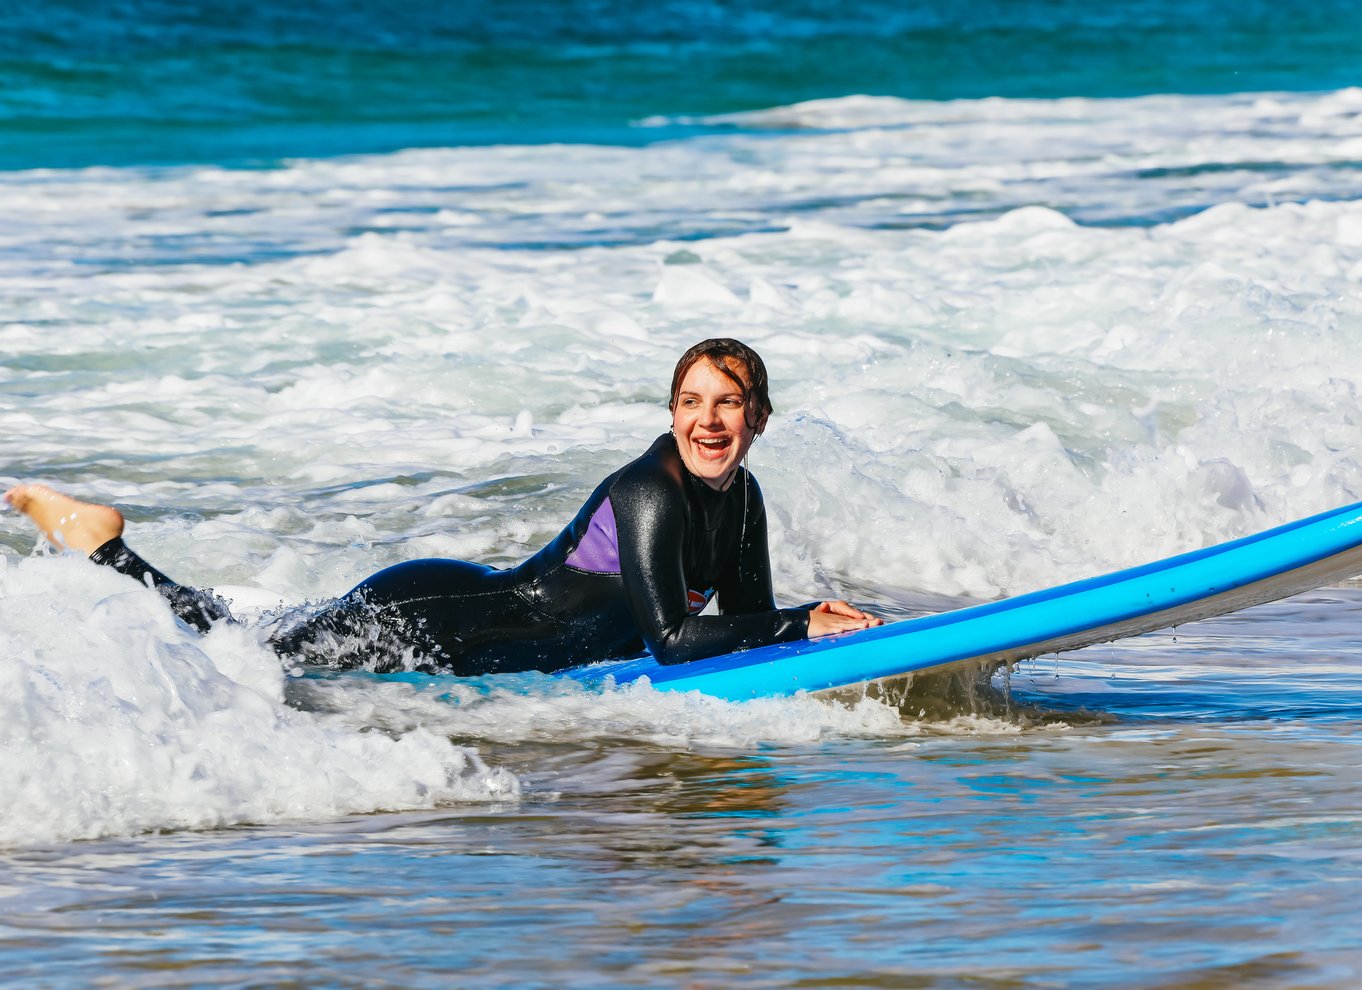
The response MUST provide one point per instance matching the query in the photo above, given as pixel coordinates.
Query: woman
(652, 545)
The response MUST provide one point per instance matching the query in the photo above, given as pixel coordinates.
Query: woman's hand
(837, 617)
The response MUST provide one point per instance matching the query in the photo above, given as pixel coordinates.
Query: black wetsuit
(646, 552)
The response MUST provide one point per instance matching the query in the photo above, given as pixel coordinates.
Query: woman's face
(709, 420)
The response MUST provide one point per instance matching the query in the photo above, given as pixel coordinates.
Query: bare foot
(82, 526)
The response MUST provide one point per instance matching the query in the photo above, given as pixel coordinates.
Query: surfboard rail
(1216, 580)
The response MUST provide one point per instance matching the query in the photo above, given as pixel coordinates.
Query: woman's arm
(835, 617)
(746, 586)
(650, 516)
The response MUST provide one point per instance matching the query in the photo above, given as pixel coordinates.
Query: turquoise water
(149, 82)
(1046, 290)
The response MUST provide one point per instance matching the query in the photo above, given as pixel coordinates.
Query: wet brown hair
(736, 360)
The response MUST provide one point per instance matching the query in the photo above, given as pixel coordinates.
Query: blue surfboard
(1300, 556)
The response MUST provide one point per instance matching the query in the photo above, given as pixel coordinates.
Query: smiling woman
(656, 541)
(719, 405)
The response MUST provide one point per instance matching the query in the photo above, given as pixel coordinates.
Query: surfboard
(1277, 563)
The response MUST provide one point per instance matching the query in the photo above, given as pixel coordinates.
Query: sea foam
(117, 719)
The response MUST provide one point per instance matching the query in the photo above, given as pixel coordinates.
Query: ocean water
(133, 82)
(1044, 291)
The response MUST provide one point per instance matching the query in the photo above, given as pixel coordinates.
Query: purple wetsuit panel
(599, 550)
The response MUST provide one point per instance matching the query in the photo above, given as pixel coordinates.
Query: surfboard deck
(1277, 563)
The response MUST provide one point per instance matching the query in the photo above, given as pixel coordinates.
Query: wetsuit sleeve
(745, 585)
(650, 517)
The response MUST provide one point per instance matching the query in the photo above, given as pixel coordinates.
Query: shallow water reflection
(1153, 813)
(1111, 855)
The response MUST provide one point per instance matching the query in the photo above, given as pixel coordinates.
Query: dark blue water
(149, 81)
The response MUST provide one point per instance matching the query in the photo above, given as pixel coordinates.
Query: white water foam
(1012, 387)
(541, 708)
(116, 719)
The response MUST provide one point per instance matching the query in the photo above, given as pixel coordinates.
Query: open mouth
(714, 445)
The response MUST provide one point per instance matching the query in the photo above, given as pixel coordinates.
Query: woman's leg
(424, 614)
(67, 523)
(431, 615)
(97, 531)
(444, 616)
